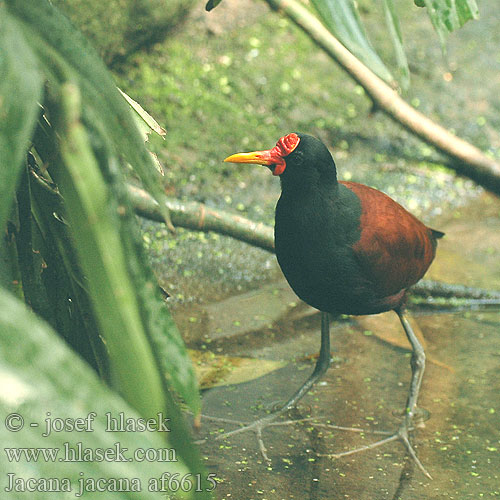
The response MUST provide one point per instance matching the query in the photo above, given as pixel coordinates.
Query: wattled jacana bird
(344, 248)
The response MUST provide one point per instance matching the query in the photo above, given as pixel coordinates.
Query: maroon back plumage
(395, 249)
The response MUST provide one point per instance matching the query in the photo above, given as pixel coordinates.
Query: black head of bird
(296, 158)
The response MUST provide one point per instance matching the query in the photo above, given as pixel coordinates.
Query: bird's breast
(313, 240)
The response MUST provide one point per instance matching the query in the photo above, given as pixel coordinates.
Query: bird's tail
(437, 234)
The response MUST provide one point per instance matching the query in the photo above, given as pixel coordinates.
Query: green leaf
(146, 124)
(20, 91)
(392, 22)
(342, 19)
(39, 375)
(64, 55)
(94, 218)
(120, 293)
(449, 15)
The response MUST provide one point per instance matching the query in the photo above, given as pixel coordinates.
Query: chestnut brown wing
(395, 249)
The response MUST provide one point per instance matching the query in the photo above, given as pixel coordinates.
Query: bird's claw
(257, 426)
(402, 434)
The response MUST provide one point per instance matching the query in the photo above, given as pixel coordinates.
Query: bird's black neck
(309, 180)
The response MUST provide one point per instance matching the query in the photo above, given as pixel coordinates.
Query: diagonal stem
(467, 160)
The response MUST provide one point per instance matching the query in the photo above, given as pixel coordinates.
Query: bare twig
(427, 288)
(467, 159)
(197, 216)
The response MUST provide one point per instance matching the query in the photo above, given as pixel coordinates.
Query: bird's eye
(298, 157)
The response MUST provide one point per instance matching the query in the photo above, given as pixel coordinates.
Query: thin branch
(197, 216)
(468, 160)
(428, 288)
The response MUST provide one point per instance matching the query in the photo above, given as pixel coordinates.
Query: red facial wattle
(283, 148)
(272, 157)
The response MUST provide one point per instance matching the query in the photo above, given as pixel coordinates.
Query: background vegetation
(71, 249)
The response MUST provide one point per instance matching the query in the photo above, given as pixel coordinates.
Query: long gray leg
(417, 367)
(319, 370)
(417, 373)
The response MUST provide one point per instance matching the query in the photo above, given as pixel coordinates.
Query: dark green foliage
(56, 380)
(77, 249)
(211, 4)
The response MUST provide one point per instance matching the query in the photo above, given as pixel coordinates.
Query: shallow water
(366, 387)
